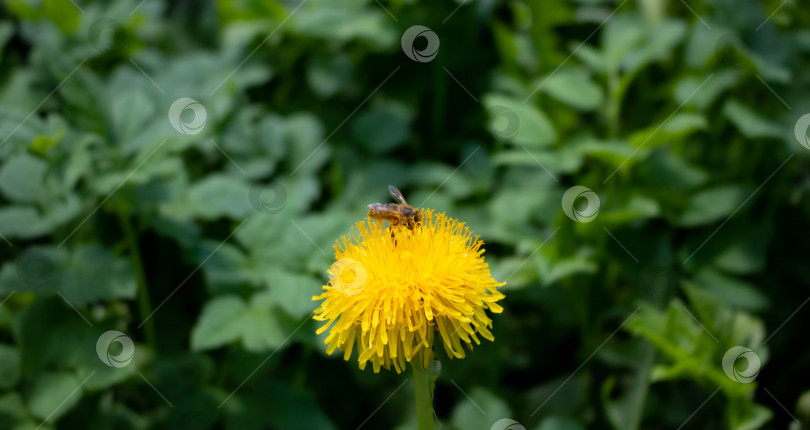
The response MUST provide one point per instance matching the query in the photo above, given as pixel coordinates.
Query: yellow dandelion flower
(390, 293)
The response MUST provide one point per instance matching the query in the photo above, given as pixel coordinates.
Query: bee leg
(391, 226)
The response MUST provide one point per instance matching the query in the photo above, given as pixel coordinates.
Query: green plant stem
(423, 389)
(144, 304)
(613, 106)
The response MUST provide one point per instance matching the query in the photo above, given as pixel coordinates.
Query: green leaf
(560, 423)
(622, 34)
(635, 208)
(430, 175)
(226, 319)
(54, 394)
(48, 335)
(221, 322)
(590, 56)
(252, 139)
(659, 42)
(749, 123)
(22, 221)
(27, 222)
(131, 112)
(690, 351)
(12, 410)
(86, 274)
(303, 137)
(51, 335)
(612, 152)
(574, 88)
(702, 91)
(63, 14)
(340, 24)
(666, 171)
(22, 179)
(479, 411)
(732, 292)
(9, 366)
(226, 267)
(713, 204)
(553, 270)
(517, 122)
(511, 209)
(694, 342)
(624, 410)
(329, 75)
(749, 417)
(383, 127)
(519, 273)
(710, 43)
(264, 330)
(6, 32)
(218, 196)
(673, 130)
(93, 273)
(745, 251)
(563, 160)
(293, 292)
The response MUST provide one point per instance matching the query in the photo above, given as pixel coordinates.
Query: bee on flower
(391, 291)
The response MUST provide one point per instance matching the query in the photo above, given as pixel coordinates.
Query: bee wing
(396, 194)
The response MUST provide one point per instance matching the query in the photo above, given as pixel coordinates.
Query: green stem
(144, 304)
(613, 106)
(423, 389)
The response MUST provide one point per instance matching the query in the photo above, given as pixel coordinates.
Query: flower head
(391, 290)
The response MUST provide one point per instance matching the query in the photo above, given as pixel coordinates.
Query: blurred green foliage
(205, 244)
